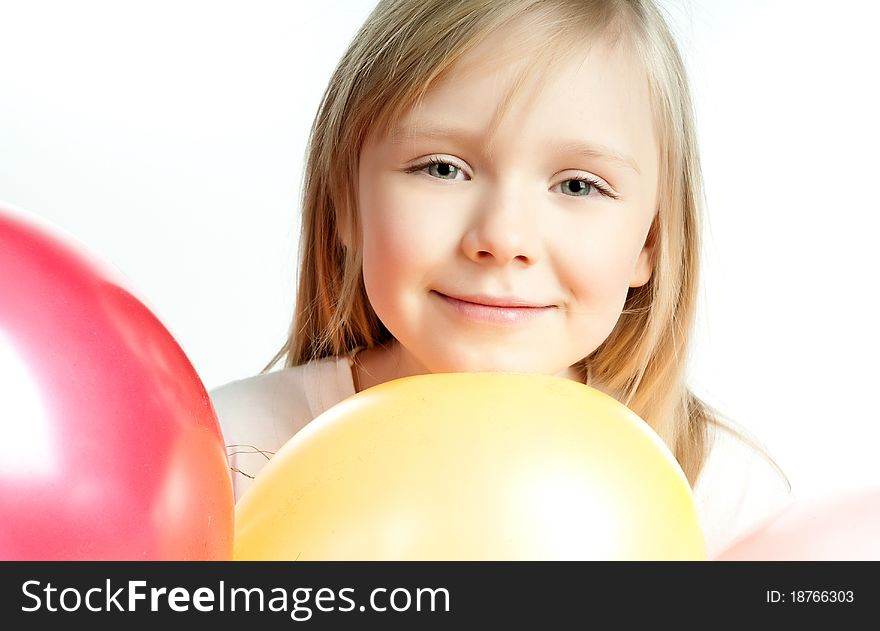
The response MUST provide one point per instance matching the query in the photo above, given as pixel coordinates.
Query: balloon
(477, 466)
(843, 527)
(110, 447)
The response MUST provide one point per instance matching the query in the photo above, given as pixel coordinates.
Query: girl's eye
(440, 169)
(443, 170)
(581, 187)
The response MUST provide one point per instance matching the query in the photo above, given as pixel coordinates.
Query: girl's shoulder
(739, 486)
(259, 414)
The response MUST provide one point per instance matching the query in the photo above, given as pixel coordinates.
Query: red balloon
(844, 527)
(110, 447)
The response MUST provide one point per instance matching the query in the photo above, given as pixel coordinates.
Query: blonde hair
(402, 49)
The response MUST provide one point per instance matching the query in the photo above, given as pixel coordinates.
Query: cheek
(596, 269)
(399, 238)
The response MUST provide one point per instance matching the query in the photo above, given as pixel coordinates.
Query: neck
(373, 366)
(379, 364)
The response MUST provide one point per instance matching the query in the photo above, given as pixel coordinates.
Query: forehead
(519, 87)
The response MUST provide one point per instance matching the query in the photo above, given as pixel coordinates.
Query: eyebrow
(401, 135)
(600, 152)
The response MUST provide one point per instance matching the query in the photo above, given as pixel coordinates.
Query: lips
(493, 309)
(493, 301)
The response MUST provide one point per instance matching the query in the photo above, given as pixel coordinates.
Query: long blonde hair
(402, 49)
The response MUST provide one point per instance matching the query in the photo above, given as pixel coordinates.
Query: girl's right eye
(440, 169)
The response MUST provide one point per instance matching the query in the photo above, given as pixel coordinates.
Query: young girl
(505, 185)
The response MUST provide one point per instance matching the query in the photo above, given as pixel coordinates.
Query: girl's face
(509, 244)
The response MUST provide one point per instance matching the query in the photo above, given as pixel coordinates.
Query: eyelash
(594, 182)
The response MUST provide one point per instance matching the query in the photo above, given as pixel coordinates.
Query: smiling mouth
(492, 301)
(504, 313)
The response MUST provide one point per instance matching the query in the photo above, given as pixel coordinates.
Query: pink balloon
(109, 445)
(845, 527)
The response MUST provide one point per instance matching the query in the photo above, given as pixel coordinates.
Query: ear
(342, 233)
(344, 217)
(645, 264)
(343, 229)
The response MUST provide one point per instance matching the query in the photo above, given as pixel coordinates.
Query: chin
(487, 363)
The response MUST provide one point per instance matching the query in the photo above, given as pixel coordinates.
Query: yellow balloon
(472, 466)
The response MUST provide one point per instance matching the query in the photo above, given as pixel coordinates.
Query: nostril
(486, 255)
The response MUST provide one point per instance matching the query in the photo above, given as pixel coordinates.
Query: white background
(168, 137)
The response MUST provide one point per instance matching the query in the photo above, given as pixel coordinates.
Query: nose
(503, 230)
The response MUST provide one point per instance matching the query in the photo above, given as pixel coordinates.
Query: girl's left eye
(440, 169)
(581, 187)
